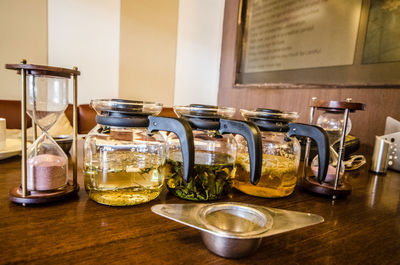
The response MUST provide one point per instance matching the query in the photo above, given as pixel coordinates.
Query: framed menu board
(344, 43)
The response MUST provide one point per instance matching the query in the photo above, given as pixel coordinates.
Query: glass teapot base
(328, 189)
(123, 197)
(263, 192)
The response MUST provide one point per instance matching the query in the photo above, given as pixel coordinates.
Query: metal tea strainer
(234, 230)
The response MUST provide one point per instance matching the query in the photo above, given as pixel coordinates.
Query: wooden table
(362, 229)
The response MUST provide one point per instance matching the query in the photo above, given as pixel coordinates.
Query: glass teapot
(281, 153)
(215, 153)
(125, 154)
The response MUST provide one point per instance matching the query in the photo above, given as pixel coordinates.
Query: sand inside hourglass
(46, 172)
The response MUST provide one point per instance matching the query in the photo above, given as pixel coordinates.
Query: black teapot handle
(253, 137)
(321, 138)
(184, 132)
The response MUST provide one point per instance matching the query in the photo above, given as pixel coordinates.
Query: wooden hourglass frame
(22, 194)
(310, 183)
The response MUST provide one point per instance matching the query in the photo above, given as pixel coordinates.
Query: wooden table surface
(362, 229)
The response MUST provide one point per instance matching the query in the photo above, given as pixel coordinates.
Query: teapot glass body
(123, 166)
(281, 153)
(125, 153)
(215, 156)
(215, 153)
(281, 156)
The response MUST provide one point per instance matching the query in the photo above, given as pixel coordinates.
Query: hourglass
(44, 164)
(337, 124)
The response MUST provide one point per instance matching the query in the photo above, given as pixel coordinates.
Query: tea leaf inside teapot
(209, 182)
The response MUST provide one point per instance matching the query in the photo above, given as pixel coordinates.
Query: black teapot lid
(203, 116)
(270, 119)
(124, 113)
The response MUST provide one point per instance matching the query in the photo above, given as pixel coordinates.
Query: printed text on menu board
(298, 34)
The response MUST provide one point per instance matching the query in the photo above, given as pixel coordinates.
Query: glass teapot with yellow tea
(281, 153)
(125, 154)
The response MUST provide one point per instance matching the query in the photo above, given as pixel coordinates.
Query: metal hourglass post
(23, 132)
(308, 144)
(341, 148)
(75, 126)
(34, 128)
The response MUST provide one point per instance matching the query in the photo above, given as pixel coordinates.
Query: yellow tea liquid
(123, 178)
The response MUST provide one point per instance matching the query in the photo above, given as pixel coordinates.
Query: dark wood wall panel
(381, 102)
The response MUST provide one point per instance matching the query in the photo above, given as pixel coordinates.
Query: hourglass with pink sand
(44, 164)
(336, 122)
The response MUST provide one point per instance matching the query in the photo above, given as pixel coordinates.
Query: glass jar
(125, 154)
(215, 153)
(281, 152)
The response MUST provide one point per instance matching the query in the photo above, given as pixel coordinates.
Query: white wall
(198, 51)
(23, 35)
(148, 50)
(85, 33)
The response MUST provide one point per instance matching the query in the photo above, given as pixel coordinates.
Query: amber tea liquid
(278, 176)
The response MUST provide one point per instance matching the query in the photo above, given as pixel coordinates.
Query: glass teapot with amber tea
(281, 153)
(125, 154)
(215, 153)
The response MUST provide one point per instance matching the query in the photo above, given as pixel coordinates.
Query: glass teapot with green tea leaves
(215, 153)
(125, 154)
(281, 153)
